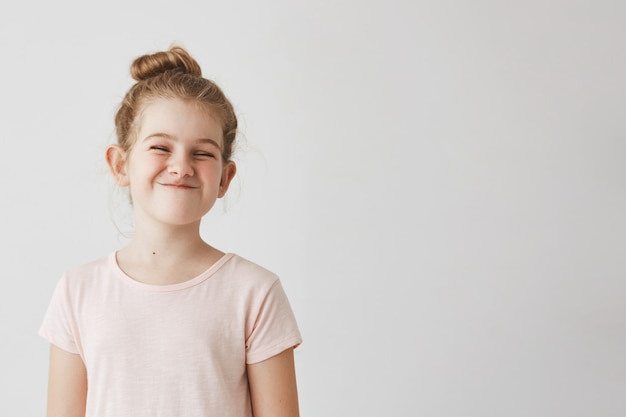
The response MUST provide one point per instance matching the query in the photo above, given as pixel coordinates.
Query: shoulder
(83, 281)
(87, 273)
(238, 267)
(246, 276)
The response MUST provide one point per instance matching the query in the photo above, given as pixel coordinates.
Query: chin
(176, 219)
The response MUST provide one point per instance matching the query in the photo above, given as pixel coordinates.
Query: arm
(67, 384)
(273, 386)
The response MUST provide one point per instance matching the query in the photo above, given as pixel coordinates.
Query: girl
(170, 326)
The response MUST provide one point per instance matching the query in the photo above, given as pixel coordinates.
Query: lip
(178, 186)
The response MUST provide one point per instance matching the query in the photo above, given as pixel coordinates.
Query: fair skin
(175, 173)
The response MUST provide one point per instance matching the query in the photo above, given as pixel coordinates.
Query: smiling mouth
(179, 186)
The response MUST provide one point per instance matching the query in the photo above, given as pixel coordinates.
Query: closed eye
(159, 148)
(204, 155)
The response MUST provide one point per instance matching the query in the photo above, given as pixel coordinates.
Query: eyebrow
(166, 136)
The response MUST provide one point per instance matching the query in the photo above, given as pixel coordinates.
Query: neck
(166, 255)
(158, 243)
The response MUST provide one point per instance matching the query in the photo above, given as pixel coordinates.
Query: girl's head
(175, 133)
(172, 74)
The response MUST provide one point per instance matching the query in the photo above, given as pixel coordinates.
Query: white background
(439, 184)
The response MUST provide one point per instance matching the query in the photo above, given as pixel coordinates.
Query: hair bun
(175, 58)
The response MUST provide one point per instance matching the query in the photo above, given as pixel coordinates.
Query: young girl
(169, 326)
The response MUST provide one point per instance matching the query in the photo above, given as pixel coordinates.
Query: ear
(228, 173)
(116, 160)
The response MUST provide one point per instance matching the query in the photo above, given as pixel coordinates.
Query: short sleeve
(59, 325)
(275, 328)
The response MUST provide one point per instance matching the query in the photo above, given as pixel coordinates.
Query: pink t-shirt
(170, 350)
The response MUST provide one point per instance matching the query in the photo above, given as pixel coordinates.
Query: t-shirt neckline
(203, 276)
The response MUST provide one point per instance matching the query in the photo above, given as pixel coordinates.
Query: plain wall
(439, 184)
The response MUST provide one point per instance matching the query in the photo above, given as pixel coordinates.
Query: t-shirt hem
(256, 357)
(68, 347)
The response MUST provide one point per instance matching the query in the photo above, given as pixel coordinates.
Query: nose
(180, 166)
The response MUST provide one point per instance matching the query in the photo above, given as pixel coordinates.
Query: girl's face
(175, 169)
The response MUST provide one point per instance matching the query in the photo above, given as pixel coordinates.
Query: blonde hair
(172, 74)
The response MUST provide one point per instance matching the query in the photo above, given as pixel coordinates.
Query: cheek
(210, 171)
(146, 165)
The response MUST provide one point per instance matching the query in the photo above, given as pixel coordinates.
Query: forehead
(180, 119)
